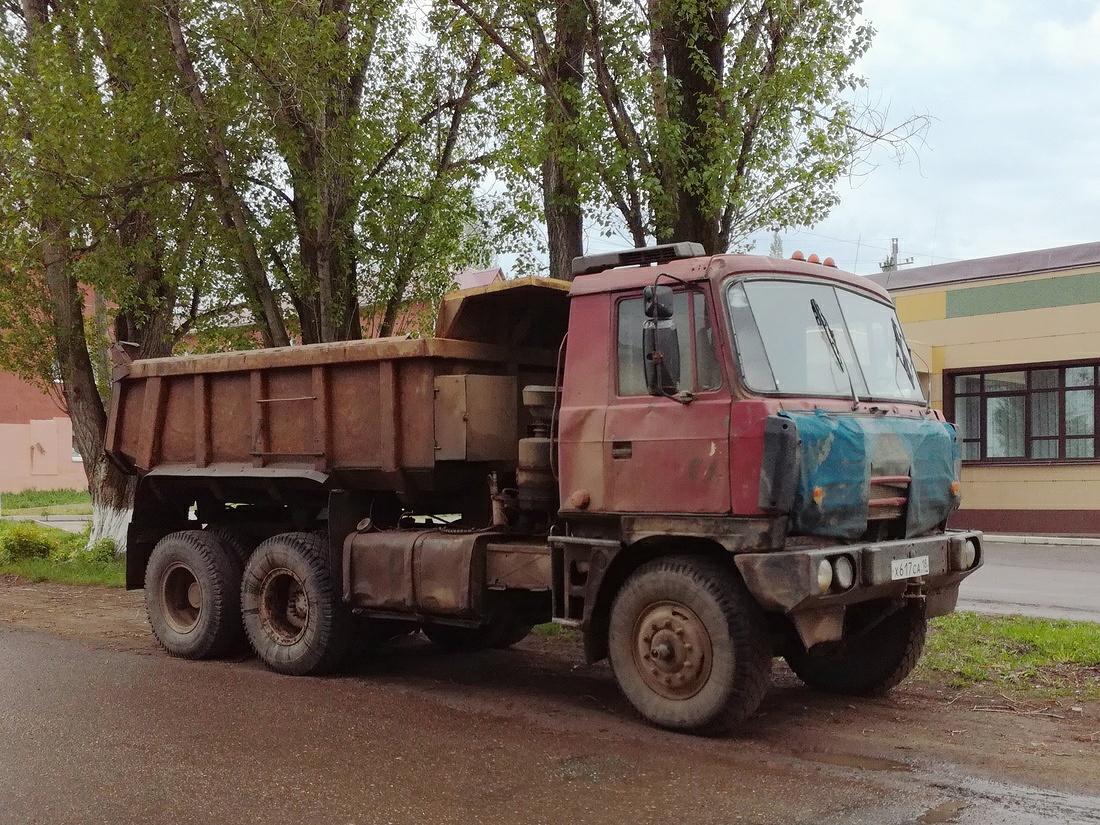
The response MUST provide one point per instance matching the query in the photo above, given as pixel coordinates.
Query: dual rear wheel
(204, 595)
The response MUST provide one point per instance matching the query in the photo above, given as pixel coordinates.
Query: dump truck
(700, 462)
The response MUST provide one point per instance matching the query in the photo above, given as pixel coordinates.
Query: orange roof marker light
(829, 262)
(797, 255)
(813, 259)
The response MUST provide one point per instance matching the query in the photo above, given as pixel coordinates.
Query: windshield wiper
(830, 336)
(899, 352)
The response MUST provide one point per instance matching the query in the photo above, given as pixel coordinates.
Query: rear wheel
(192, 595)
(235, 539)
(687, 645)
(293, 614)
(875, 656)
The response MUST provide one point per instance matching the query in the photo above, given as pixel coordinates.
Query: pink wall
(36, 441)
(38, 455)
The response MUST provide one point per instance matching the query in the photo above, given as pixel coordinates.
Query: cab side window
(699, 367)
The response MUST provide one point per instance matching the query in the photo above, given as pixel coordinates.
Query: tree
(92, 203)
(165, 168)
(776, 248)
(349, 185)
(701, 121)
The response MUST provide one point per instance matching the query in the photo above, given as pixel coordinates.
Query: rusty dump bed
(378, 408)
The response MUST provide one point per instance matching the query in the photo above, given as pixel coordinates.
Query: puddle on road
(1007, 803)
(944, 813)
(848, 760)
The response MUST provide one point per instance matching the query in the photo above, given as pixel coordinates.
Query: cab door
(668, 454)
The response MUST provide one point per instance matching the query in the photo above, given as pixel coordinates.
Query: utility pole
(891, 263)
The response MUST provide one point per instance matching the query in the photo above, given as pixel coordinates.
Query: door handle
(622, 449)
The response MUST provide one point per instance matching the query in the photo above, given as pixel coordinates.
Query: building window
(1045, 413)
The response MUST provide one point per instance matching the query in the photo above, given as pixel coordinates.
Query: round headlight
(963, 556)
(824, 575)
(969, 553)
(844, 572)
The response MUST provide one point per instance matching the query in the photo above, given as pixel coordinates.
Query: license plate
(909, 568)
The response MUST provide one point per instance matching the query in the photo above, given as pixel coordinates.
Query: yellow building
(1009, 348)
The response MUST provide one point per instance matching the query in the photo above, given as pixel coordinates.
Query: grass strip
(73, 571)
(38, 499)
(1045, 658)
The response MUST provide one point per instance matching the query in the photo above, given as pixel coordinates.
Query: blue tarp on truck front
(839, 454)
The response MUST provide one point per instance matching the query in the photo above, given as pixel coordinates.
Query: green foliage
(22, 542)
(692, 120)
(1040, 656)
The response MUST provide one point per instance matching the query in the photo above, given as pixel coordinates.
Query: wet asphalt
(1054, 581)
(98, 736)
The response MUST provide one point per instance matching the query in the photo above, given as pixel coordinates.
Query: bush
(27, 541)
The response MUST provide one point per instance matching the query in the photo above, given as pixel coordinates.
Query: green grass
(106, 573)
(46, 503)
(1039, 657)
(39, 553)
(551, 629)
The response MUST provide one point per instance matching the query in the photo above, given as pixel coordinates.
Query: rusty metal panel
(428, 572)
(364, 405)
(449, 574)
(416, 390)
(476, 418)
(355, 439)
(178, 423)
(517, 566)
(492, 433)
(450, 417)
(230, 418)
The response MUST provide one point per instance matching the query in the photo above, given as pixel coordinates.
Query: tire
(235, 539)
(688, 645)
(293, 614)
(501, 632)
(865, 662)
(192, 596)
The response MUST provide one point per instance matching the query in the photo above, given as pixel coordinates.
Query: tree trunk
(695, 69)
(561, 195)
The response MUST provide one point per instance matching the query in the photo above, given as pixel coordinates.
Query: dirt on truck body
(700, 461)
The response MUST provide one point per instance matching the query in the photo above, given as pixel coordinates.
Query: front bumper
(787, 580)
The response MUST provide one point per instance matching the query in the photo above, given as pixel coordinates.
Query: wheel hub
(284, 607)
(672, 650)
(181, 596)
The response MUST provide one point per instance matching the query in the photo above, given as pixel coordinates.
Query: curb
(1076, 541)
(40, 519)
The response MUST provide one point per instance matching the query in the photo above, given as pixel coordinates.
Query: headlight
(824, 576)
(963, 556)
(844, 572)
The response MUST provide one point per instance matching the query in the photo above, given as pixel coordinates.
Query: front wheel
(688, 645)
(293, 614)
(876, 654)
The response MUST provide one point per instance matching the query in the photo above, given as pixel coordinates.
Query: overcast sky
(1012, 160)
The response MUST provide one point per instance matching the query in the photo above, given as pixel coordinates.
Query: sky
(1012, 157)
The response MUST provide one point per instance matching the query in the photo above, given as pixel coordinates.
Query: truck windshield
(802, 338)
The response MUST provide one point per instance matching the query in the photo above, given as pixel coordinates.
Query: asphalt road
(107, 736)
(1055, 581)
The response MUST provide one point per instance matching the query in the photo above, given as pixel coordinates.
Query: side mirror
(660, 342)
(657, 302)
